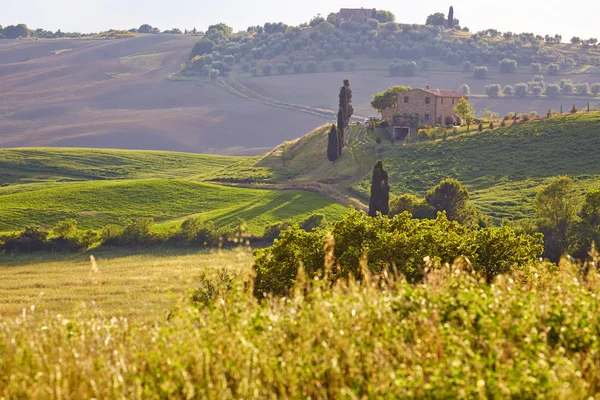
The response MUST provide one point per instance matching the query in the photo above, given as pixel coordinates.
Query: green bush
(400, 243)
(274, 230)
(196, 231)
(313, 222)
(31, 239)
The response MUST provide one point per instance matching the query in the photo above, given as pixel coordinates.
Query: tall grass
(532, 334)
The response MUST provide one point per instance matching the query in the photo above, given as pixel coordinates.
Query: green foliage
(556, 209)
(437, 19)
(465, 111)
(400, 242)
(415, 206)
(480, 72)
(274, 230)
(313, 222)
(451, 197)
(333, 145)
(508, 66)
(383, 16)
(388, 98)
(380, 191)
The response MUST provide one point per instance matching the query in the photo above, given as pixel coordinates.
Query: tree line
(325, 39)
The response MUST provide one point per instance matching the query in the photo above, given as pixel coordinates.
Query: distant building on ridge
(356, 14)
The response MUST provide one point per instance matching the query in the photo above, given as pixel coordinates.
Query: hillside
(503, 168)
(115, 94)
(45, 186)
(305, 64)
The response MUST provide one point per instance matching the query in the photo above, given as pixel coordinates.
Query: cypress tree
(340, 130)
(333, 144)
(345, 110)
(451, 17)
(380, 191)
(385, 193)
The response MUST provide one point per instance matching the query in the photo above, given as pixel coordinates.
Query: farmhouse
(429, 106)
(356, 14)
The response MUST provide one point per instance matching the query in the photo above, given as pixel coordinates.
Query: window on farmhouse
(426, 117)
(406, 99)
(427, 100)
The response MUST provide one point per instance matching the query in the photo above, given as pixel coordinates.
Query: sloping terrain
(100, 187)
(318, 90)
(114, 94)
(503, 168)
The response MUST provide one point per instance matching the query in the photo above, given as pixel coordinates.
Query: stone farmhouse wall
(428, 106)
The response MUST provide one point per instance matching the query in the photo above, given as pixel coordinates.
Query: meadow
(531, 334)
(503, 168)
(123, 283)
(100, 187)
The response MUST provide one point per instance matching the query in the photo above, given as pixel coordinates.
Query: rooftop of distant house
(442, 93)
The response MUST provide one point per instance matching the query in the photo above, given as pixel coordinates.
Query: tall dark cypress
(385, 193)
(345, 110)
(380, 191)
(333, 152)
(451, 17)
(340, 130)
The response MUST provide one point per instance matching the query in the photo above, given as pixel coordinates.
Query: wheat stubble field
(115, 94)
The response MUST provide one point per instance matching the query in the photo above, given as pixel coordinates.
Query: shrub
(464, 89)
(582, 89)
(31, 239)
(282, 68)
(508, 66)
(537, 91)
(196, 231)
(567, 88)
(521, 89)
(492, 90)
(595, 88)
(508, 90)
(266, 69)
(480, 72)
(135, 232)
(312, 222)
(274, 230)
(311, 67)
(536, 68)
(467, 66)
(553, 69)
(214, 73)
(414, 205)
(400, 241)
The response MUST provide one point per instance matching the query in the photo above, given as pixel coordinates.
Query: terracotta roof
(443, 93)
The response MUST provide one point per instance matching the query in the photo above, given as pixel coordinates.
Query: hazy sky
(538, 16)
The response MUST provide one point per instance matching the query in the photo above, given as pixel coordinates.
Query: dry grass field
(120, 284)
(114, 94)
(319, 90)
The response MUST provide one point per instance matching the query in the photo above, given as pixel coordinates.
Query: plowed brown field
(114, 94)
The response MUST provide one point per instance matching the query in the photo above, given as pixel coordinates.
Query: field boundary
(240, 90)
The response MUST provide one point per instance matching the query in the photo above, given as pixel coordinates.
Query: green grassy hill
(502, 168)
(98, 187)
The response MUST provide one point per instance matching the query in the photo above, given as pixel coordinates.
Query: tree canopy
(388, 98)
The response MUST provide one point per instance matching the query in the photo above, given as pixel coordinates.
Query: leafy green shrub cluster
(65, 236)
(400, 243)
